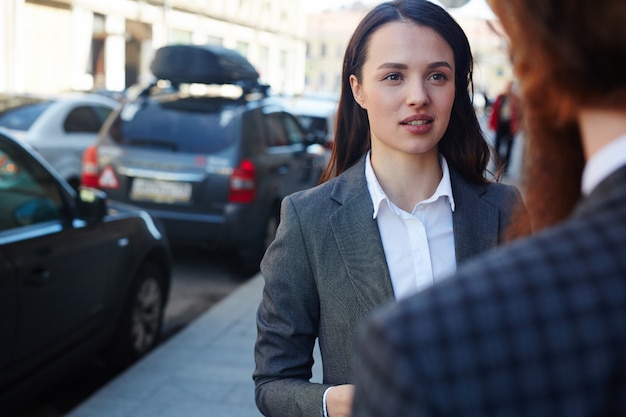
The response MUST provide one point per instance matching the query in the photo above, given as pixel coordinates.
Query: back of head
(567, 55)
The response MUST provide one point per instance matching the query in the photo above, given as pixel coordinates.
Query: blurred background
(50, 46)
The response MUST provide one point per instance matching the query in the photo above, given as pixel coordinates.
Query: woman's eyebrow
(394, 65)
(440, 64)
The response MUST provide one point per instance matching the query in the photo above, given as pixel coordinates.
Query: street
(201, 277)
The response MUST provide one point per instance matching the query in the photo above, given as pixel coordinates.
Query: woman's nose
(417, 94)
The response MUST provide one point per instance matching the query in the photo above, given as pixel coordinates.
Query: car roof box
(206, 64)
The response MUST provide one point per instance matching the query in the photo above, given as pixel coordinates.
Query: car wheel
(271, 225)
(251, 256)
(140, 325)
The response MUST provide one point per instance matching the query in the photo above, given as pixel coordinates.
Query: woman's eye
(393, 77)
(439, 76)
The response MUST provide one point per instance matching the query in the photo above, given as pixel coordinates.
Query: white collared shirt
(419, 246)
(606, 161)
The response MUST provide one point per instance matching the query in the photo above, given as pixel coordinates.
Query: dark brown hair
(463, 144)
(567, 55)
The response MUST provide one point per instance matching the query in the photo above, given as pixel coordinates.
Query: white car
(59, 127)
(316, 112)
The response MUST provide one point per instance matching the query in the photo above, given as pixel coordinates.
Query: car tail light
(243, 183)
(90, 173)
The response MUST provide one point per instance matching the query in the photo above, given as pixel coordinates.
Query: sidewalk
(204, 370)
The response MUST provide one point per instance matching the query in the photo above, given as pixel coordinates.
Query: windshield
(195, 125)
(18, 116)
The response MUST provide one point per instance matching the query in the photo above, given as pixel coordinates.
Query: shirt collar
(607, 160)
(444, 189)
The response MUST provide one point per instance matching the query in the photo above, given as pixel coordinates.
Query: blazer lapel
(475, 222)
(475, 225)
(358, 238)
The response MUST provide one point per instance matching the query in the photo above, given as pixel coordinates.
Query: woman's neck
(407, 179)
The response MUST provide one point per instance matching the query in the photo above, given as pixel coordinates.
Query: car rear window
(23, 116)
(197, 125)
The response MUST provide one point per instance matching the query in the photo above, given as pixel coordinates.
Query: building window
(242, 48)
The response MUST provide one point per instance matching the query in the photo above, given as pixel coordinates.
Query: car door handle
(38, 276)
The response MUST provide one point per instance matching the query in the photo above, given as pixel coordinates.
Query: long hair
(463, 144)
(564, 55)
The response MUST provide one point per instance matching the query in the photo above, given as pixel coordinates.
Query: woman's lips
(418, 125)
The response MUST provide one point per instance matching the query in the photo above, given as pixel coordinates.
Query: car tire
(251, 256)
(140, 325)
(271, 226)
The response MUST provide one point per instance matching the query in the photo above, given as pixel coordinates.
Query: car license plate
(160, 191)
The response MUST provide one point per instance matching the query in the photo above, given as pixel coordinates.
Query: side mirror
(91, 204)
(315, 137)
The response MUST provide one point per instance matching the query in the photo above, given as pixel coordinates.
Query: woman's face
(407, 88)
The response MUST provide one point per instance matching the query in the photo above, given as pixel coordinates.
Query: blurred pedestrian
(504, 121)
(404, 200)
(537, 328)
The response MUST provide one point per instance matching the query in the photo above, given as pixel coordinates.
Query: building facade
(330, 30)
(328, 33)
(57, 45)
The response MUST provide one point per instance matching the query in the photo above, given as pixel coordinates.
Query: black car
(206, 151)
(81, 277)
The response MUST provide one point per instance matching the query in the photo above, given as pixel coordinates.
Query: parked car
(59, 127)
(206, 151)
(81, 277)
(316, 113)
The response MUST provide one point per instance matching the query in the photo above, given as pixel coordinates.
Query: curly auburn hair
(567, 55)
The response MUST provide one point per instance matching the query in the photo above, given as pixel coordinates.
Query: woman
(403, 201)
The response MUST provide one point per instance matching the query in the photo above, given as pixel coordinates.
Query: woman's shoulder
(339, 188)
(497, 194)
(502, 190)
(491, 188)
(501, 187)
(311, 203)
(309, 195)
(504, 196)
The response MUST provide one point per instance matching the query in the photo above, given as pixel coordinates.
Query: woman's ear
(357, 91)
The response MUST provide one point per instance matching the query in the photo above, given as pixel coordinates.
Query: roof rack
(205, 64)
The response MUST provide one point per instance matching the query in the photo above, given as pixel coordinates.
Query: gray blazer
(326, 271)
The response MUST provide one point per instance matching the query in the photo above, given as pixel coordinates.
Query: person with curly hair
(536, 328)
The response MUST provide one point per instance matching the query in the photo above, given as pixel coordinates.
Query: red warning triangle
(108, 179)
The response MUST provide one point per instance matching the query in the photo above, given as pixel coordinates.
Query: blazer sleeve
(287, 325)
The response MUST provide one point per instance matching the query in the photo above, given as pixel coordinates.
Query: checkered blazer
(537, 328)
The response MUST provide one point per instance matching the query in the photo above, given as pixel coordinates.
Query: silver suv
(210, 160)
